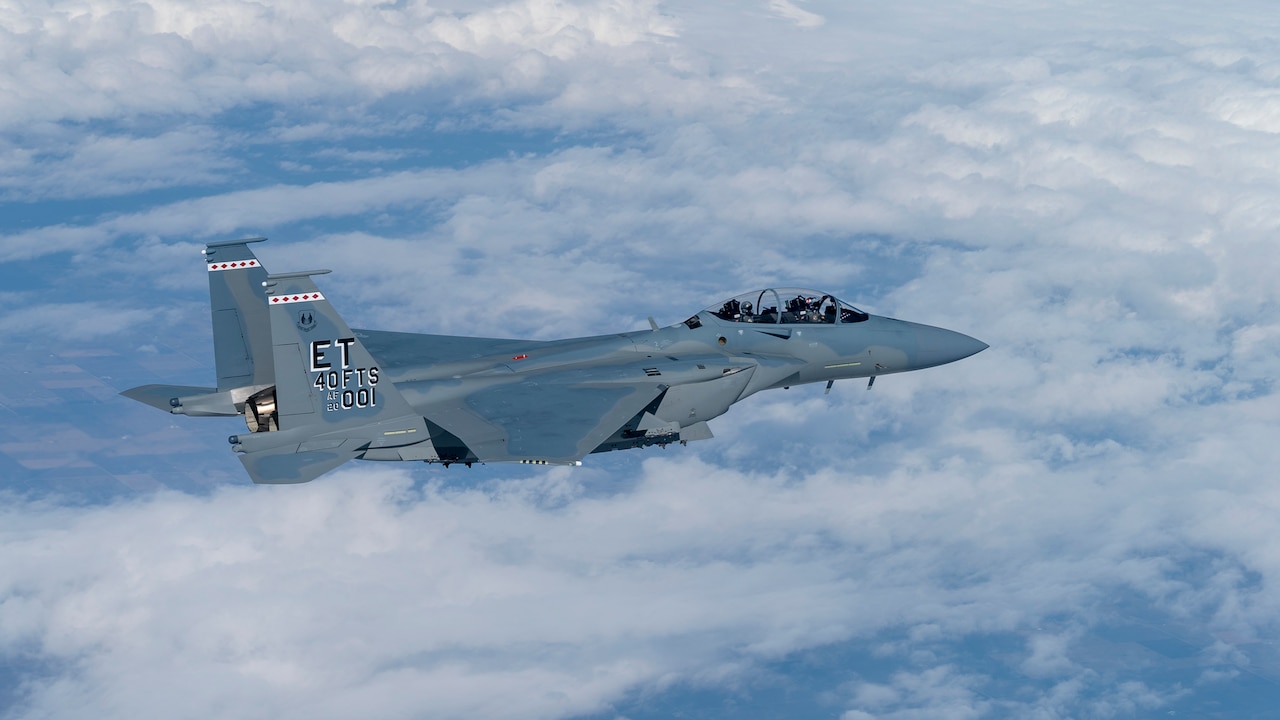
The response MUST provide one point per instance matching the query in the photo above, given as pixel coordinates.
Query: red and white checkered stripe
(233, 265)
(305, 297)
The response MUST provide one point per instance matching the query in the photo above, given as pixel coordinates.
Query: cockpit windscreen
(787, 306)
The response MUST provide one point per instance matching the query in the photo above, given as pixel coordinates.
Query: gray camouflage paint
(316, 394)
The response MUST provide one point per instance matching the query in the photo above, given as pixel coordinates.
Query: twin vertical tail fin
(311, 394)
(241, 329)
(241, 337)
(330, 403)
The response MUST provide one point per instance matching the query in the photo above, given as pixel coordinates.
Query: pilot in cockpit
(798, 307)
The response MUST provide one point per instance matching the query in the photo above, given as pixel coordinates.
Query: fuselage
(750, 356)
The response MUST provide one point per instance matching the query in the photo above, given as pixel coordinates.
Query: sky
(1078, 522)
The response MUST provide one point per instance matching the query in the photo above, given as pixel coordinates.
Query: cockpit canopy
(786, 306)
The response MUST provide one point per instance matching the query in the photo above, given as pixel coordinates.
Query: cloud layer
(537, 598)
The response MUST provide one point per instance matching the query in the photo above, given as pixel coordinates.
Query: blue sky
(1077, 523)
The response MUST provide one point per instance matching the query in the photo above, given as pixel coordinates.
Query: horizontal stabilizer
(170, 397)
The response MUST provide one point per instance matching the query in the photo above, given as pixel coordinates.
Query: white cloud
(534, 598)
(1049, 655)
(70, 165)
(790, 11)
(85, 320)
(108, 59)
(938, 692)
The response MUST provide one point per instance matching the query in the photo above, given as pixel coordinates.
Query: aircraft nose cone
(939, 346)
(961, 346)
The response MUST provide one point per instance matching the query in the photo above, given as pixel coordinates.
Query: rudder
(238, 302)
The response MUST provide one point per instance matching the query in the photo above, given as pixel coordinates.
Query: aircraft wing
(556, 416)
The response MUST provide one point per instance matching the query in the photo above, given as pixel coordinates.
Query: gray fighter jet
(315, 393)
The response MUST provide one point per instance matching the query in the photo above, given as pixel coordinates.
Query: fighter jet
(314, 393)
